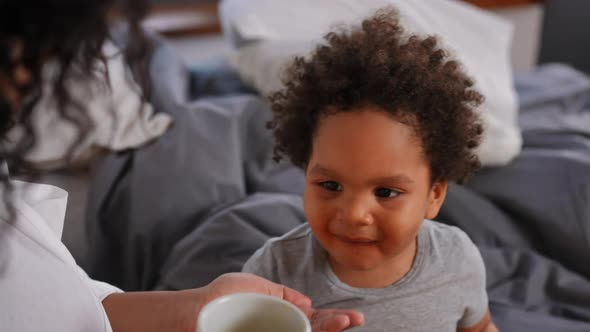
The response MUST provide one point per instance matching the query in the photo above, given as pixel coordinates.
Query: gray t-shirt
(444, 289)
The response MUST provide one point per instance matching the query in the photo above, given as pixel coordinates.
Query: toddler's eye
(386, 192)
(331, 185)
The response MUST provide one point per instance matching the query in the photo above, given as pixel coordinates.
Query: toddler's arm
(476, 298)
(485, 325)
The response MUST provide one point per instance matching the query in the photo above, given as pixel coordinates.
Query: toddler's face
(368, 189)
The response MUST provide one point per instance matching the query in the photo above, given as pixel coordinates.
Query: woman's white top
(41, 286)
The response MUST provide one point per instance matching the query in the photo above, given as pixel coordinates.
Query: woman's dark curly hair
(377, 64)
(70, 33)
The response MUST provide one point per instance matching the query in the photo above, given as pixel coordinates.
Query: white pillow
(480, 40)
(261, 64)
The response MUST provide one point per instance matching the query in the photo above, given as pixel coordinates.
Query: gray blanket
(142, 202)
(196, 203)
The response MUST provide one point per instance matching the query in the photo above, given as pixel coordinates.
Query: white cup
(251, 312)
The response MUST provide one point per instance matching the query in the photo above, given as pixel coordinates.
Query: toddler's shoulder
(279, 254)
(453, 246)
(291, 246)
(447, 236)
(297, 237)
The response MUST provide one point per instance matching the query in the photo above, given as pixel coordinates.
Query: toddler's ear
(436, 197)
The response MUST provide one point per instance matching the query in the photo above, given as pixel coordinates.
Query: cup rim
(251, 295)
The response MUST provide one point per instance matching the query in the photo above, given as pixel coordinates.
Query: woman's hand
(178, 310)
(328, 320)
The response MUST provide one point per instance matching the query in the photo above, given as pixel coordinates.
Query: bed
(199, 201)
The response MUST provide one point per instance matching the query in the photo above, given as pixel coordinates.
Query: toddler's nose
(356, 212)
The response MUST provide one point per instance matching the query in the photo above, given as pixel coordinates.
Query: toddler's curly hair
(378, 64)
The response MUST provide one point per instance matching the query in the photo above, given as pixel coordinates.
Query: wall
(527, 22)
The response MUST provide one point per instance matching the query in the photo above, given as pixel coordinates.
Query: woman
(42, 287)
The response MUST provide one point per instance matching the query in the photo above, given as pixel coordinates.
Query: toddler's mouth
(359, 240)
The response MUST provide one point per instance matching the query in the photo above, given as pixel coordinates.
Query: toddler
(380, 121)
